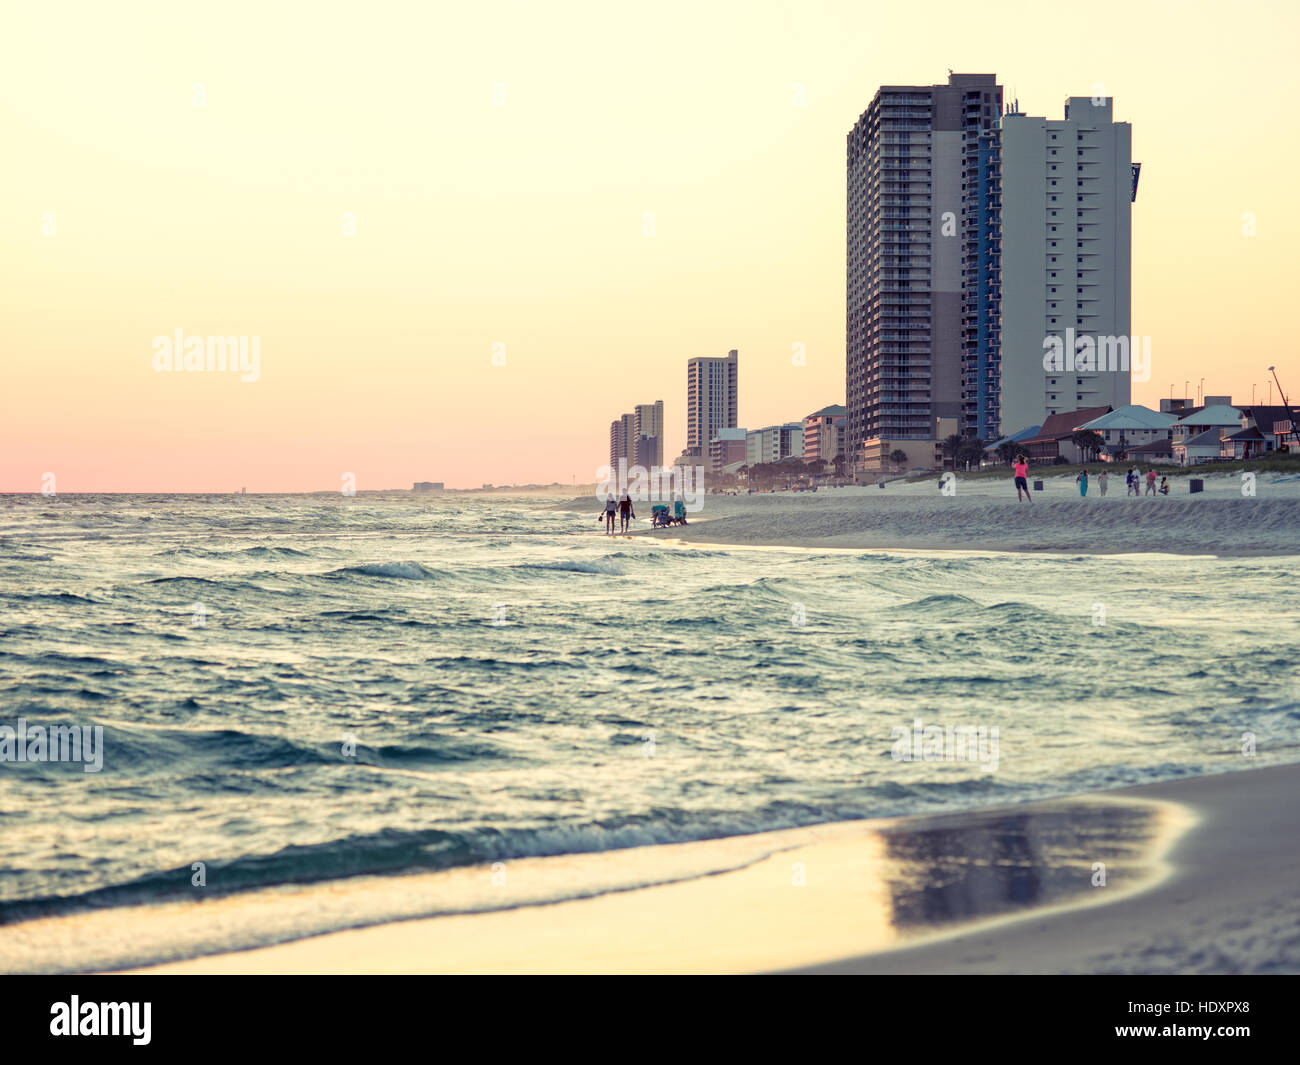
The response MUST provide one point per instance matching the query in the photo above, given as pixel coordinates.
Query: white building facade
(1067, 188)
(774, 443)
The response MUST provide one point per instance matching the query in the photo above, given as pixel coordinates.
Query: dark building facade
(914, 205)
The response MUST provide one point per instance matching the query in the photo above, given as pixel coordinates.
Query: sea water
(352, 709)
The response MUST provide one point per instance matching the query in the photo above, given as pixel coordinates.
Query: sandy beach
(1200, 877)
(983, 514)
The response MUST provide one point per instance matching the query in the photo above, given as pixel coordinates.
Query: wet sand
(1199, 877)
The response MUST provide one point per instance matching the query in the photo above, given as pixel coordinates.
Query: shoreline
(1200, 878)
(1220, 522)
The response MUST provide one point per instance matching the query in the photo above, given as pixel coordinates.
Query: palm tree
(952, 447)
(1088, 441)
(972, 450)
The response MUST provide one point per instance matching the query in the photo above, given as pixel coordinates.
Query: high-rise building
(1066, 190)
(912, 177)
(982, 291)
(622, 440)
(712, 392)
(648, 430)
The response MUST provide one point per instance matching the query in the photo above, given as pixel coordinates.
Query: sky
(467, 237)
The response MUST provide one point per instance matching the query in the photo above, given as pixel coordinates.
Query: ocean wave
(397, 571)
(598, 567)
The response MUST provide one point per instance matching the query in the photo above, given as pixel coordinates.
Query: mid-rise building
(913, 175)
(712, 394)
(648, 429)
(774, 443)
(823, 433)
(727, 451)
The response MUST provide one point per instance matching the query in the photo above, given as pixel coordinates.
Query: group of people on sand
(1134, 481)
(622, 507)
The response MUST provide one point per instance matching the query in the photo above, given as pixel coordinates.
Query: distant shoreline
(984, 515)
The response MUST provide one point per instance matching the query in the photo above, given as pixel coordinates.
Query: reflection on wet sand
(948, 870)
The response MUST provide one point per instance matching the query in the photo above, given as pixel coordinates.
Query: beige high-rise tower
(712, 398)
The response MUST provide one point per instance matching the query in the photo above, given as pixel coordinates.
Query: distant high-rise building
(712, 392)
(913, 161)
(622, 440)
(1066, 188)
(648, 429)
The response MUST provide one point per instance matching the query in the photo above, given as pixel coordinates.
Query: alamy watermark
(658, 484)
(57, 743)
(951, 743)
(1075, 353)
(208, 354)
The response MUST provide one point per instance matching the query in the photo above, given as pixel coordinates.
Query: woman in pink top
(1022, 479)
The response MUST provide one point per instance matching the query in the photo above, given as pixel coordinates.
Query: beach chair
(679, 512)
(659, 518)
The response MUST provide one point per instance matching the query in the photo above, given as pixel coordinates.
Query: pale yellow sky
(499, 162)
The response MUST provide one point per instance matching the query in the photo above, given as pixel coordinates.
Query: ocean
(321, 712)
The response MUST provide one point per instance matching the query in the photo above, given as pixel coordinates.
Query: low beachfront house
(1128, 427)
(1272, 423)
(1156, 452)
(1201, 421)
(1203, 447)
(1053, 438)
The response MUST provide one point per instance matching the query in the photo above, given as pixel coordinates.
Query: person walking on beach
(1022, 479)
(625, 510)
(1083, 484)
(1101, 482)
(1131, 482)
(611, 506)
(1151, 481)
